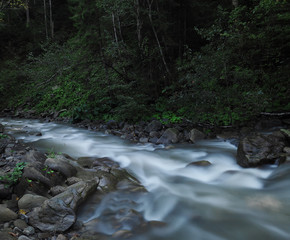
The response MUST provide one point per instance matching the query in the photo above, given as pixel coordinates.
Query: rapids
(221, 201)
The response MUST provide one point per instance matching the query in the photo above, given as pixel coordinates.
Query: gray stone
(5, 234)
(23, 237)
(153, 126)
(143, 140)
(196, 135)
(29, 231)
(21, 224)
(72, 180)
(258, 149)
(33, 156)
(57, 214)
(5, 193)
(169, 136)
(202, 163)
(62, 166)
(30, 201)
(6, 214)
(61, 237)
(57, 190)
(36, 175)
(1, 128)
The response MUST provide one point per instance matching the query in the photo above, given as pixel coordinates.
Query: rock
(23, 237)
(56, 190)
(21, 224)
(202, 163)
(29, 231)
(72, 180)
(286, 133)
(1, 128)
(6, 234)
(169, 136)
(6, 214)
(111, 124)
(105, 164)
(153, 126)
(154, 134)
(153, 140)
(196, 135)
(30, 201)
(143, 140)
(57, 214)
(62, 166)
(61, 237)
(36, 175)
(257, 149)
(3, 144)
(33, 156)
(5, 192)
(122, 234)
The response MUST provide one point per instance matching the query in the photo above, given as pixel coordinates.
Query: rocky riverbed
(41, 193)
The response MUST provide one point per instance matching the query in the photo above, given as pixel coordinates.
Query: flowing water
(222, 201)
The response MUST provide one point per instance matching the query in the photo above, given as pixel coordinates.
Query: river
(222, 201)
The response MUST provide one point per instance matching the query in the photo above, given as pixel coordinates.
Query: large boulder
(62, 166)
(58, 213)
(196, 135)
(257, 149)
(30, 201)
(169, 136)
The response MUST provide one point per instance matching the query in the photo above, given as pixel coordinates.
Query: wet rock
(153, 126)
(30, 201)
(62, 166)
(23, 237)
(3, 144)
(202, 163)
(21, 224)
(57, 190)
(286, 133)
(29, 231)
(6, 214)
(72, 180)
(153, 140)
(143, 140)
(196, 135)
(33, 156)
(257, 149)
(122, 234)
(61, 237)
(105, 164)
(169, 136)
(36, 175)
(58, 213)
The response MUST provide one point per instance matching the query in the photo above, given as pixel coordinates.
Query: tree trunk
(138, 22)
(156, 36)
(50, 20)
(120, 29)
(27, 13)
(45, 19)
(115, 29)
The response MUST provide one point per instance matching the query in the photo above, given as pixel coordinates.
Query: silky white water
(222, 201)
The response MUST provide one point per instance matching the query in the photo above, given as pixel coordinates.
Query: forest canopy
(218, 62)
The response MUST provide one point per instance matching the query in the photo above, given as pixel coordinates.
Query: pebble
(29, 231)
(22, 237)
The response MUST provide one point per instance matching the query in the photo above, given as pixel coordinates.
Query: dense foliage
(220, 62)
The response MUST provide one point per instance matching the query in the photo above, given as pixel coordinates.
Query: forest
(216, 62)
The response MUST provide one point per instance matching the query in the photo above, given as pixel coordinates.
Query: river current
(219, 202)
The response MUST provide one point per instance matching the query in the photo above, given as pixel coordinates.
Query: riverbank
(40, 193)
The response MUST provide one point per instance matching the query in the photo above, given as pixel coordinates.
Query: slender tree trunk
(120, 29)
(27, 13)
(149, 2)
(45, 19)
(138, 22)
(115, 29)
(50, 20)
